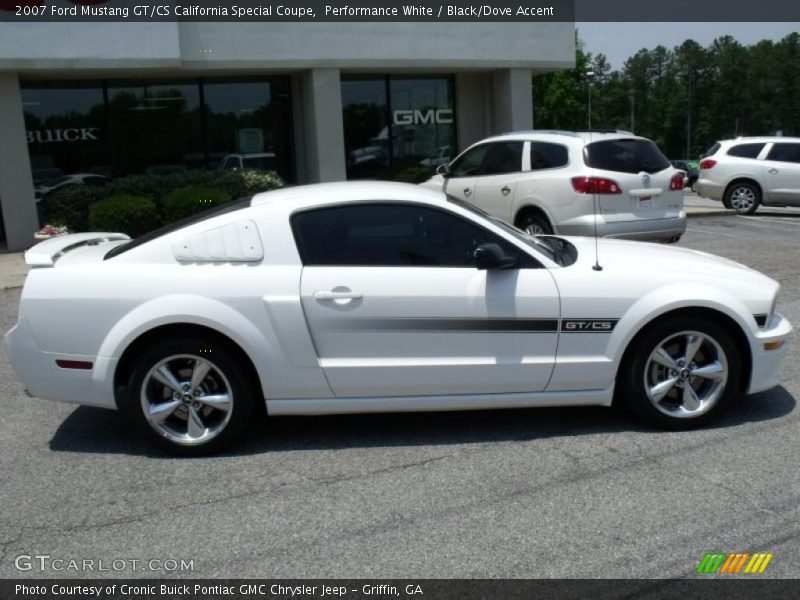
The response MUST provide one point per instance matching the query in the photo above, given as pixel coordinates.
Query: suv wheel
(743, 197)
(534, 224)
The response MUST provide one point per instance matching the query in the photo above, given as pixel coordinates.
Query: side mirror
(492, 257)
(443, 170)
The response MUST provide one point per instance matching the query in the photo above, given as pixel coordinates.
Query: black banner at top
(328, 11)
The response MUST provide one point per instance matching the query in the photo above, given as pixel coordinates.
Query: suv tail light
(595, 185)
(676, 183)
(707, 164)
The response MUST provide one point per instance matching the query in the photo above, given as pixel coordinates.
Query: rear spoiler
(46, 253)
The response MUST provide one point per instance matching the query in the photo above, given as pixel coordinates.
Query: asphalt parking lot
(579, 492)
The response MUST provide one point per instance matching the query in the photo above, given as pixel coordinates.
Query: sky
(619, 41)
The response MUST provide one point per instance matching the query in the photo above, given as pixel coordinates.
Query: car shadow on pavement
(94, 430)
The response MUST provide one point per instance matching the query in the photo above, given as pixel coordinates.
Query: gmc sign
(423, 117)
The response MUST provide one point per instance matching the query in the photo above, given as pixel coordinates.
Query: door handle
(506, 190)
(773, 170)
(467, 191)
(331, 295)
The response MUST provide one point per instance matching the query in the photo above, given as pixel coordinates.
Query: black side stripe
(472, 325)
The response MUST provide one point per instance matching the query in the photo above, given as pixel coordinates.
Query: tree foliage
(684, 98)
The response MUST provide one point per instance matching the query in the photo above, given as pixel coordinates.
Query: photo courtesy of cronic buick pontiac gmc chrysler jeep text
(370, 297)
(747, 172)
(571, 183)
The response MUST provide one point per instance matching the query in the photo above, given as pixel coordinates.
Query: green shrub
(412, 174)
(185, 201)
(70, 205)
(129, 214)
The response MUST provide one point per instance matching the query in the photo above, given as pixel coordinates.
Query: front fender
(675, 297)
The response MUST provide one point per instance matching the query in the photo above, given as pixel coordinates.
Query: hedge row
(169, 198)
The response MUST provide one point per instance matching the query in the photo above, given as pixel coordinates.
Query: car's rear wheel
(743, 197)
(190, 395)
(680, 372)
(534, 224)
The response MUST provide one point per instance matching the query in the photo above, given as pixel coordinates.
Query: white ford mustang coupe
(368, 297)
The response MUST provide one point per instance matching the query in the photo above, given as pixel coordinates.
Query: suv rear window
(745, 150)
(625, 156)
(713, 150)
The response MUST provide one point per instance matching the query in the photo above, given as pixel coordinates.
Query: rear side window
(745, 150)
(785, 153)
(548, 156)
(625, 156)
(502, 157)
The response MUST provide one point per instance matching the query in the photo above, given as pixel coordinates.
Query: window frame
(527, 260)
(530, 162)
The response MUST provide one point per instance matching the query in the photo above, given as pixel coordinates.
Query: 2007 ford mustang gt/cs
(368, 297)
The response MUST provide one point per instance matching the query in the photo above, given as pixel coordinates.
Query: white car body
(771, 164)
(345, 339)
(643, 207)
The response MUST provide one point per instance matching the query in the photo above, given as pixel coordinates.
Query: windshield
(170, 227)
(538, 244)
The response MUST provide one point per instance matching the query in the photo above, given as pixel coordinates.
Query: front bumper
(43, 378)
(766, 371)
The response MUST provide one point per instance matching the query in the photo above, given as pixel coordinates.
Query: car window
(548, 156)
(261, 163)
(469, 163)
(713, 150)
(785, 153)
(745, 150)
(502, 157)
(231, 163)
(625, 156)
(391, 235)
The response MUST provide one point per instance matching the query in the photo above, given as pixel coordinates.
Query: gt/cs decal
(588, 325)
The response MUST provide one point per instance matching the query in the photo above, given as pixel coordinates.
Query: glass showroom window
(249, 125)
(394, 122)
(67, 130)
(155, 127)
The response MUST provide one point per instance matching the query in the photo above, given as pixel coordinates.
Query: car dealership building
(313, 101)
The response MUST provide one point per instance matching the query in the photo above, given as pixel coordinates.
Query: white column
(16, 181)
(512, 100)
(323, 131)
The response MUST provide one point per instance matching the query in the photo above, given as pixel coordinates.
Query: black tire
(226, 372)
(637, 366)
(534, 224)
(743, 197)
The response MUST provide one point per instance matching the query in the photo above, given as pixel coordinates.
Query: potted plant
(49, 231)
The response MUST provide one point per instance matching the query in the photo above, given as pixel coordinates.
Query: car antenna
(596, 266)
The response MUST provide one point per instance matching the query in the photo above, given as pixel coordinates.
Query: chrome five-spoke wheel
(186, 399)
(686, 374)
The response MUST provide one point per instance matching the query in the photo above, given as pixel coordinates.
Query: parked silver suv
(558, 181)
(747, 172)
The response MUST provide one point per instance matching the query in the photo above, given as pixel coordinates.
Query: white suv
(747, 172)
(571, 182)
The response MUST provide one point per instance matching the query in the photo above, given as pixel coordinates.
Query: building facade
(312, 101)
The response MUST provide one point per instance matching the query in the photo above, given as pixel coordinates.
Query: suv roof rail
(552, 131)
(606, 131)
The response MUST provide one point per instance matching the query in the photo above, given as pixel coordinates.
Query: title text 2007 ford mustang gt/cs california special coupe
(367, 297)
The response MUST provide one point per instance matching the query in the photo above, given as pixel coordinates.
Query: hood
(622, 255)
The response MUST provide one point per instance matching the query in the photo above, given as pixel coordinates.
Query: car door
(782, 173)
(464, 172)
(497, 181)
(396, 306)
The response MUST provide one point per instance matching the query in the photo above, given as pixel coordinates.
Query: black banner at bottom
(406, 589)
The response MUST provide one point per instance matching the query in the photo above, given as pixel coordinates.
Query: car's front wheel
(680, 372)
(190, 396)
(743, 197)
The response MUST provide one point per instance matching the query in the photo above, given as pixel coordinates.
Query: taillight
(676, 183)
(595, 185)
(707, 164)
